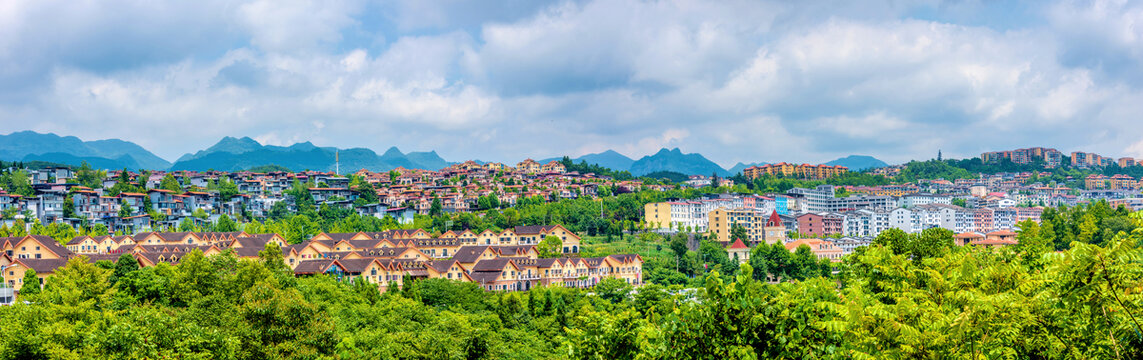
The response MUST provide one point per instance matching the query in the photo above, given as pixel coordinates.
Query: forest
(905, 296)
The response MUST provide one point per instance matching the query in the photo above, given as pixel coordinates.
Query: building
(823, 249)
(759, 227)
(805, 171)
(738, 251)
(821, 224)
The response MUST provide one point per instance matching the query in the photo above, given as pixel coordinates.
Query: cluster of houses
(401, 193)
(774, 231)
(505, 260)
(982, 205)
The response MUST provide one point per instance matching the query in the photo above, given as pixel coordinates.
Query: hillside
(231, 154)
(610, 159)
(70, 150)
(675, 160)
(737, 168)
(858, 162)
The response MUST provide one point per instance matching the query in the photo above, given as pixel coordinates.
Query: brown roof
(496, 264)
(356, 266)
(484, 277)
(469, 254)
(43, 266)
(443, 265)
(533, 229)
(316, 266)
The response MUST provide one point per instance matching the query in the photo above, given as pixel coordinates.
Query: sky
(738, 81)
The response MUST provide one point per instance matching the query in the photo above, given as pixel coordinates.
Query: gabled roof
(533, 229)
(42, 266)
(737, 245)
(469, 254)
(316, 266)
(47, 242)
(356, 266)
(497, 264)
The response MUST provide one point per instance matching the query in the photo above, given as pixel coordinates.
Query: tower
(939, 155)
(337, 162)
(775, 230)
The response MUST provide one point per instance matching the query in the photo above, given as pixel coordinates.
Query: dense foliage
(900, 298)
(584, 168)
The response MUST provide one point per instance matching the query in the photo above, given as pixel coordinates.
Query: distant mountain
(231, 154)
(70, 150)
(858, 162)
(429, 160)
(123, 162)
(675, 160)
(610, 159)
(227, 145)
(740, 166)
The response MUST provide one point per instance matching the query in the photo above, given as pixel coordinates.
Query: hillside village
(400, 193)
(831, 220)
(507, 260)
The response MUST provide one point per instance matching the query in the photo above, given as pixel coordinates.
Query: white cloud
(736, 80)
(297, 25)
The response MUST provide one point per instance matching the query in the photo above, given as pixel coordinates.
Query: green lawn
(596, 246)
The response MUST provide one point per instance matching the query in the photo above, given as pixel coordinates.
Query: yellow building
(790, 170)
(529, 166)
(759, 227)
(657, 215)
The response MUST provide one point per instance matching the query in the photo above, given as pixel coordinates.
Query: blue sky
(745, 81)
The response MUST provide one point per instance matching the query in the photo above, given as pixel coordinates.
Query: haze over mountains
(234, 154)
(111, 153)
(231, 154)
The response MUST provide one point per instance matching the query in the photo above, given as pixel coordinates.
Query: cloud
(735, 80)
(296, 25)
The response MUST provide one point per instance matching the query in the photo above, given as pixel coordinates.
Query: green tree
(89, 177)
(435, 208)
(737, 232)
(125, 209)
(79, 282)
(933, 242)
(614, 290)
(225, 224)
(31, 283)
(169, 183)
(895, 240)
(124, 266)
(550, 247)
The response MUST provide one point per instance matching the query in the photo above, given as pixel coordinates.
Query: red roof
(774, 218)
(738, 245)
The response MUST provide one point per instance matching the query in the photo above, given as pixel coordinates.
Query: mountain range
(858, 162)
(233, 154)
(108, 154)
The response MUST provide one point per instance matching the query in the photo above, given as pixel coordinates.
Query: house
(995, 239)
(532, 235)
(629, 267)
(34, 247)
(963, 239)
(14, 273)
(499, 274)
(553, 167)
(823, 249)
(738, 251)
(529, 166)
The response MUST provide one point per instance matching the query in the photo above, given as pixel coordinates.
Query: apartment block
(805, 171)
